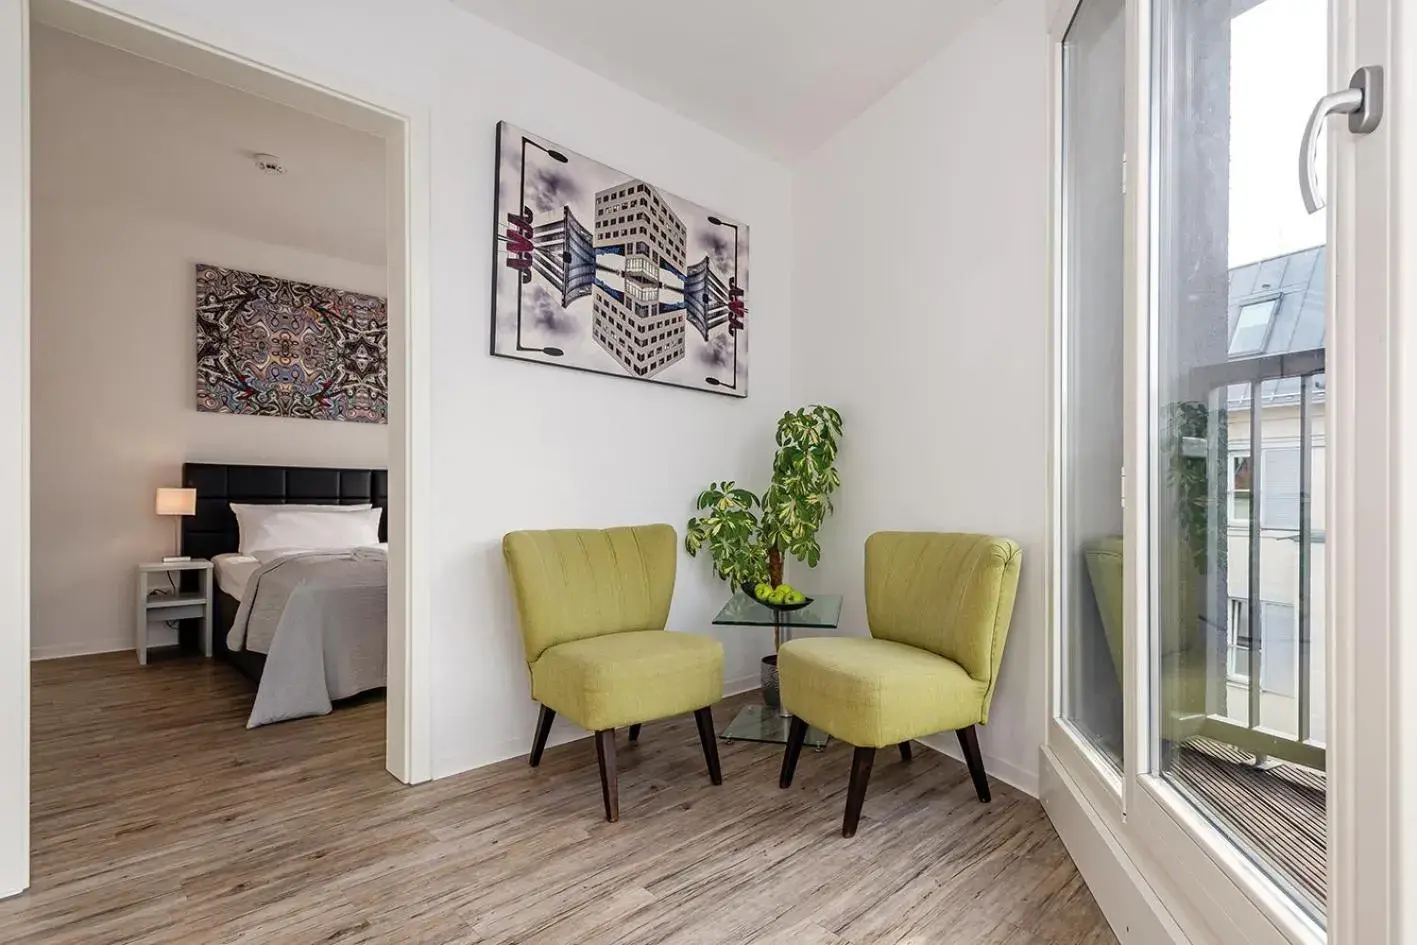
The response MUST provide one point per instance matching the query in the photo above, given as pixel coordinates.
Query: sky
(1278, 70)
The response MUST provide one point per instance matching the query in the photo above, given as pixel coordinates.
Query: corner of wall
(1015, 775)
(920, 311)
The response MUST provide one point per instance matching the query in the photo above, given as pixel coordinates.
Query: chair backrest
(571, 584)
(952, 594)
(1104, 570)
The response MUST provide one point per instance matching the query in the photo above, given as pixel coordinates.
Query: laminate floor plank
(158, 819)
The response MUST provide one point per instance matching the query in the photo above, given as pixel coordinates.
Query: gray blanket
(321, 618)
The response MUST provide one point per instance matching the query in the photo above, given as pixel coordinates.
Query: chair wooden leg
(543, 729)
(704, 718)
(609, 782)
(969, 744)
(635, 732)
(796, 735)
(861, 761)
(905, 751)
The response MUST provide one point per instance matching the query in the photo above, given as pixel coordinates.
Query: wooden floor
(1278, 813)
(159, 819)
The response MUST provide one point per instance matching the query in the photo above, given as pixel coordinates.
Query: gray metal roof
(1298, 280)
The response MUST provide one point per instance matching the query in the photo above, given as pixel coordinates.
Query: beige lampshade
(176, 501)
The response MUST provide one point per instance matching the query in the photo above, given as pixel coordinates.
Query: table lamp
(177, 503)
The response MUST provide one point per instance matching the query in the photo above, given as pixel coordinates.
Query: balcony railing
(1291, 380)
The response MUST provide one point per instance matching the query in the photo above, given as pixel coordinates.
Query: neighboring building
(1276, 309)
(632, 325)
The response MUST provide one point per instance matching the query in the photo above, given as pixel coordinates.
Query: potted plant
(747, 535)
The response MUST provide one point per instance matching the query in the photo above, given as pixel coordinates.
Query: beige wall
(113, 339)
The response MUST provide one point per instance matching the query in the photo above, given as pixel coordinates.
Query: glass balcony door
(1239, 412)
(1090, 361)
(1261, 565)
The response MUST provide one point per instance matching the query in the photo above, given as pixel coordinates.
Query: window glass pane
(1093, 116)
(1239, 420)
(1252, 327)
(1281, 489)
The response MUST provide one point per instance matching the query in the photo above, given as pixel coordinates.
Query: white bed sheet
(233, 571)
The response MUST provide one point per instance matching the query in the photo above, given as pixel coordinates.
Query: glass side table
(765, 723)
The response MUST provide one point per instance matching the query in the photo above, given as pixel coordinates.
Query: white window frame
(1101, 782)
(1236, 615)
(1147, 854)
(1238, 611)
(1233, 519)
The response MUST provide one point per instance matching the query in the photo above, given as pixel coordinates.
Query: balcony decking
(1277, 812)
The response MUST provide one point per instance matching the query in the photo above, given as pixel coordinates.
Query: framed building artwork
(596, 270)
(276, 348)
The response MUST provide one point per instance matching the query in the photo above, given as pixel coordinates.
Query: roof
(1298, 279)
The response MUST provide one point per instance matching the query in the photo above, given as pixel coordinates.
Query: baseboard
(1127, 901)
(947, 744)
(563, 733)
(59, 651)
(734, 687)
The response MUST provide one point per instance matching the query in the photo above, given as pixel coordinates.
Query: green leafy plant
(1188, 476)
(747, 535)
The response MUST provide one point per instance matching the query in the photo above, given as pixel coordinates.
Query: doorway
(407, 745)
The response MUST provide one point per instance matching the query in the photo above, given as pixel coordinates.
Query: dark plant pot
(772, 697)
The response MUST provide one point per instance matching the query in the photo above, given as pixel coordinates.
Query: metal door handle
(1362, 102)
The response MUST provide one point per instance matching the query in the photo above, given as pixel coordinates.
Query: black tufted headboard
(213, 531)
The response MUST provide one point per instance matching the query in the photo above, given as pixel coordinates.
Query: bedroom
(178, 224)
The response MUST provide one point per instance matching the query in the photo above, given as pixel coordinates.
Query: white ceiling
(117, 128)
(778, 76)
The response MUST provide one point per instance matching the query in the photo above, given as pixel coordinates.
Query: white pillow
(264, 527)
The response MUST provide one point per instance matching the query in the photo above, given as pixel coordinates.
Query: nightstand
(161, 602)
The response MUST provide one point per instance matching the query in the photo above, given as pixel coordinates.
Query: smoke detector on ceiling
(269, 164)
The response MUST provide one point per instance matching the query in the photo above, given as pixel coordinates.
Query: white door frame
(406, 127)
(1147, 853)
(1103, 787)
(1373, 476)
(14, 455)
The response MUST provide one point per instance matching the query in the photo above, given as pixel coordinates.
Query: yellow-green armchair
(938, 607)
(592, 606)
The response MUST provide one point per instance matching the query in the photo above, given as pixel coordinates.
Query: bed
(213, 532)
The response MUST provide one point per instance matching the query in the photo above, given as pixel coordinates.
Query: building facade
(633, 325)
(1276, 343)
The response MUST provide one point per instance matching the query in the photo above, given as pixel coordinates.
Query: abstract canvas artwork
(599, 271)
(276, 348)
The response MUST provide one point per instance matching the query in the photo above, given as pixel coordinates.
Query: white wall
(121, 213)
(516, 445)
(921, 313)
